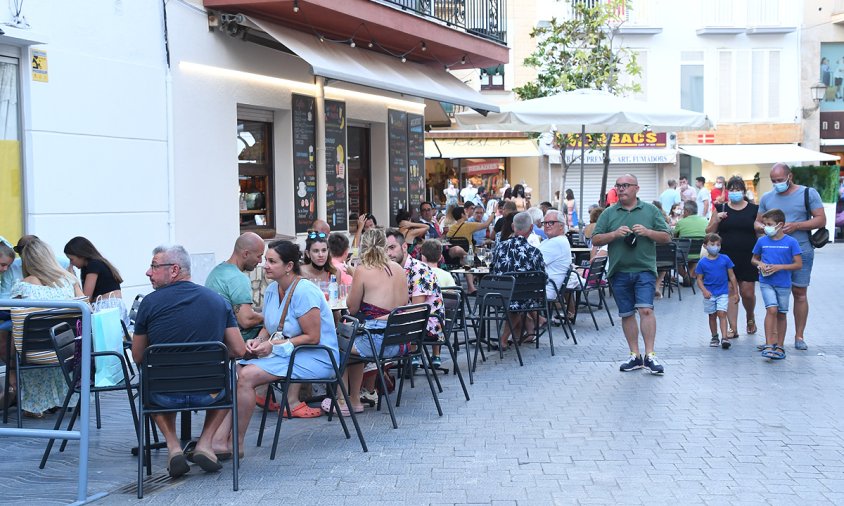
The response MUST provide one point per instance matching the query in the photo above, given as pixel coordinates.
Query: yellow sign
(39, 65)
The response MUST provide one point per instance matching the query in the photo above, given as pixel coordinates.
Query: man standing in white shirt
(704, 201)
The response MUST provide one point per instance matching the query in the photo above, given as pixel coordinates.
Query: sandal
(260, 401)
(751, 326)
(768, 350)
(30, 414)
(303, 411)
(326, 406)
(778, 353)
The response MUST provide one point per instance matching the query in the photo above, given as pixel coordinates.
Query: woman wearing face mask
(734, 222)
(317, 266)
(675, 214)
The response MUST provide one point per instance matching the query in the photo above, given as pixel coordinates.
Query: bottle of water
(470, 257)
(332, 290)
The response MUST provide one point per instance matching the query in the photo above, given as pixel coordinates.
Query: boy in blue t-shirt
(716, 280)
(774, 255)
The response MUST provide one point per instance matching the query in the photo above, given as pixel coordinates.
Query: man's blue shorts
(633, 290)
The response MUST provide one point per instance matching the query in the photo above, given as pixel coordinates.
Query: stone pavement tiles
(722, 426)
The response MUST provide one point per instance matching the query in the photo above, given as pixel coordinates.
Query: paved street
(722, 426)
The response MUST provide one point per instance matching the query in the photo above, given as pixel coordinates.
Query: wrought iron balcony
(485, 18)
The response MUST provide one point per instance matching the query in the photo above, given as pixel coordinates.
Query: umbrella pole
(582, 157)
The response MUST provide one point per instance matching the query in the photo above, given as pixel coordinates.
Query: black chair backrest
(406, 324)
(36, 330)
(133, 311)
(696, 245)
(502, 285)
(459, 241)
(63, 338)
(453, 307)
(596, 270)
(346, 332)
(529, 286)
(683, 247)
(185, 368)
(666, 254)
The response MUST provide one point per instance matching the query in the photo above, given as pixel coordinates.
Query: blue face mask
(736, 196)
(781, 187)
(713, 250)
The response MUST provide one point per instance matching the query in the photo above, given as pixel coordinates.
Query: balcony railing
(485, 18)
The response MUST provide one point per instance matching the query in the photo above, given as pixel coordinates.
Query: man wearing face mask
(799, 223)
(686, 191)
(735, 221)
(632, 229)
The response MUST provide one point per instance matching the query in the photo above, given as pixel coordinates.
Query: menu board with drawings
(335, 165)
(415, 160)
(397, 135)
(304, 162)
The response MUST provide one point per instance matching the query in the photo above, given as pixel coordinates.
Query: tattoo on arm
(236, 308)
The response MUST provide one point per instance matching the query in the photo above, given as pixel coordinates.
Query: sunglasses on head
(313, 234)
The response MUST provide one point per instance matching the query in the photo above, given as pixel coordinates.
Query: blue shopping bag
(108, 336)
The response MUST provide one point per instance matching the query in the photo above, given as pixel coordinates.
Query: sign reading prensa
(39, 65)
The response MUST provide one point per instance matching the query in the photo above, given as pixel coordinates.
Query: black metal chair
(34, 350)
(406, 328)
(456, 307)
(694, 250)
(595, 282)
(346, 331)
(452, 303)
(492, 304)
(529, 291)
(560, 305)
(64, 339)
(185, 368)
(666, 262)
(684, 246)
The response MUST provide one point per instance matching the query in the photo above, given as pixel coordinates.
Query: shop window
(11, 202)
(255, 171)
(492, 78)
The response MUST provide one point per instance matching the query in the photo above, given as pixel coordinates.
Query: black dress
(738, 236)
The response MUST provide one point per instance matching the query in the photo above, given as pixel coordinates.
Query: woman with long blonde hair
(378, 286)
(43, 279)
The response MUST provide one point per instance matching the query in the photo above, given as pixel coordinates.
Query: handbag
(108, 336)
(279, 330)
(820, 237)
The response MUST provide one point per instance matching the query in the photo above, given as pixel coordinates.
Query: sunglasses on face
(624, 186)
(316, 235)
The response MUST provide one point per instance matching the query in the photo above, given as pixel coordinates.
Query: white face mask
(771, 230)
(719, 185)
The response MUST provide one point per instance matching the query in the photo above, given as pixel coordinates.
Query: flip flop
(205, 461)
(751, 327)
(178, 466)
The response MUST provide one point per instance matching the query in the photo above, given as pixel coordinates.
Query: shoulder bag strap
(806, 203)
(287, 305)
(458, 230)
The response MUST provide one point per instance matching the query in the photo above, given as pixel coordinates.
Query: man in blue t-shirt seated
(180, 311)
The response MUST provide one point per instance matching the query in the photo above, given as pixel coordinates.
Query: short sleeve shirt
(703, 197)
(105, 278)
(777, 252)
(623, 258)
(422, 281)
(184, 312)
(556, 253)
(714, 272)
(227, 280)
(794, 207)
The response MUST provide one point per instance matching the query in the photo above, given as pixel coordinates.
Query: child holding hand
(716, 281)
(774, 255)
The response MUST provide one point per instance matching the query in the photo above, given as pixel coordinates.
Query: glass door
(11, 195)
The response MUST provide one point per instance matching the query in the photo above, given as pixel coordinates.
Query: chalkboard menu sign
(415, 160)
(397, 134)
(335, 165)
(304, 162)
